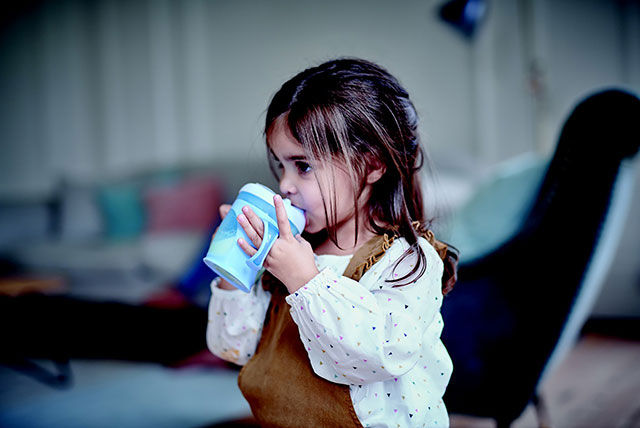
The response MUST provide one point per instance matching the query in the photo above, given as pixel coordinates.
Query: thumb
(224, 210)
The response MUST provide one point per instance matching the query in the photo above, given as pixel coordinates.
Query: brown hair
(355, 111)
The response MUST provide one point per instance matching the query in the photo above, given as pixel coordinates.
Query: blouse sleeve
(368, 331)
(235, 322)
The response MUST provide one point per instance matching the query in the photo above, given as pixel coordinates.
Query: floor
(598, 385)
(121, 394)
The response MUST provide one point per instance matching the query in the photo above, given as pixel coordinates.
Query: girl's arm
(369, 331)
(235, 321)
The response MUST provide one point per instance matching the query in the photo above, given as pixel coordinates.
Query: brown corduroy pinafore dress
(279, 382)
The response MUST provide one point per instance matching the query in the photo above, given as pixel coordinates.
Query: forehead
(282, 143)
(284, 146)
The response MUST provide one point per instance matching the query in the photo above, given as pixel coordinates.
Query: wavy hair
(355, 111)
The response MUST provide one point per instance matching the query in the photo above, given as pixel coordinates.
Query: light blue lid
(295, 214)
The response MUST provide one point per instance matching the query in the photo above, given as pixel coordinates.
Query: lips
(293, 204)
(306, 217)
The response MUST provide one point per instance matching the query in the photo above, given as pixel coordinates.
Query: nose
(287, 185)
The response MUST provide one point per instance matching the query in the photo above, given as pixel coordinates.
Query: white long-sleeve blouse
(382, 341)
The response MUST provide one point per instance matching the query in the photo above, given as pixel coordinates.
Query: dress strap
(440, 247)
(448, 253)
(377, 246)
(367, 256)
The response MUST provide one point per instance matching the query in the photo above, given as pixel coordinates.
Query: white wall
(105, 88)
(589, 43)
(96, 89)
(577, 46)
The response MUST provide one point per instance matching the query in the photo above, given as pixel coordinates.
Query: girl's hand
(291, 258)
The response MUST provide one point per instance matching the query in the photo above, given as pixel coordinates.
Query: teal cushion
(122, 210)
(497, 208)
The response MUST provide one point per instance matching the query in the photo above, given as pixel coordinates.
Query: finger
(224, 210)
(248, 249)
(249, 230)
(303, 241)
(255, 221)
(283, 220)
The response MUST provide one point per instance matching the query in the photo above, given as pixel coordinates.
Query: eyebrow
(289, 158)
(295, 158)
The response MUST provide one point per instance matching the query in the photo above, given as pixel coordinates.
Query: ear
(376, 170)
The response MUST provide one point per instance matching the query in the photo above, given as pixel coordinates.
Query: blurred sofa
(124, 237)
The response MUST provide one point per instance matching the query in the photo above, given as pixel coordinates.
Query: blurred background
(124, 124)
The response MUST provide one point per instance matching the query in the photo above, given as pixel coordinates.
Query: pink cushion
(190, 204)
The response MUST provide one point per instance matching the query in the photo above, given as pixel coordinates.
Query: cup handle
(268, 239)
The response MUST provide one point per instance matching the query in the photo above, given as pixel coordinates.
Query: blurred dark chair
(518, 310)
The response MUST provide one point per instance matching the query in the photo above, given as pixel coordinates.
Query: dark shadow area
(510, 307)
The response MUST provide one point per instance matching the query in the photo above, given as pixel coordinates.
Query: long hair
(355, 111)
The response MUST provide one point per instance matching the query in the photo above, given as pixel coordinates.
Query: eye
(303, 167)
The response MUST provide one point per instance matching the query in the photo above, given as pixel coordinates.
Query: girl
(344, 327)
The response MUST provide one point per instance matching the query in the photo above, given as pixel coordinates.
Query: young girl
(344, 327)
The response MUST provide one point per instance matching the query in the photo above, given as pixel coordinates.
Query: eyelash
(302, 167)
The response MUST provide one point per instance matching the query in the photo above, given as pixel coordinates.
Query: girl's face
(302, 183)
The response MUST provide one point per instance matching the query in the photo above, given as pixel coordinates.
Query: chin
(312, 229)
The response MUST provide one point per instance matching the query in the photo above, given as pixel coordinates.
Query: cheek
(312, 200)
(314, 204)
(315, 217)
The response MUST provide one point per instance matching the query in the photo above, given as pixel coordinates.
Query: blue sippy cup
(226, 258)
